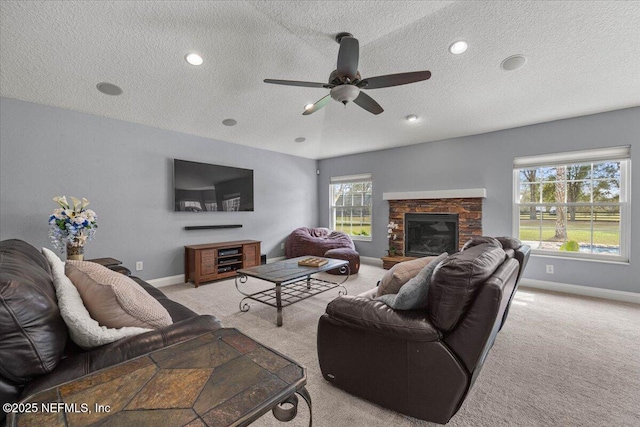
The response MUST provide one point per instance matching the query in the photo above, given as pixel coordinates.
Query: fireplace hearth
(429, 234)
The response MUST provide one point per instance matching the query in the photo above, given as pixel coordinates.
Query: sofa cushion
(115, 300)
(77, 365)
(400, 274)
(479, 240)
(378, 318)
(456, 280)
(413, 294)
(32, 333)
(508, 242)
(84, 331)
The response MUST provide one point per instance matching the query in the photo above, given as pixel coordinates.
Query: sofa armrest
(378, 317)
(122, 350)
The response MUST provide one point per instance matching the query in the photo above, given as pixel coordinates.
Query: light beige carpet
(560, 360)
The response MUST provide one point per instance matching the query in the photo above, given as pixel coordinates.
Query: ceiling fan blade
(297, 83)
(318, 105)
(367, 102)
(394, 79)
(348, 58)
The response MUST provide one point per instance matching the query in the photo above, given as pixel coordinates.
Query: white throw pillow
(84, 331)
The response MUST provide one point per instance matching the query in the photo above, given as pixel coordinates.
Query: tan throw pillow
(115, 300)
(400, 274)
(84, 331)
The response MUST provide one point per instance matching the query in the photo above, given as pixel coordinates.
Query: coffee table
(293, 283)
(221, 378)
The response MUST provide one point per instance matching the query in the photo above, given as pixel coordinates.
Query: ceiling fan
(346, 83)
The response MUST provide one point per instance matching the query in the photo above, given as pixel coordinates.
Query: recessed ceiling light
(306, 107)
(412, 117)
(458, 47)
(229, 122)
(300, 139)
(109, 89)
(513, 62)
(194, 59)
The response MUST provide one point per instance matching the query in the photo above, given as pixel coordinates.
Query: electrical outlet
(282, 245)
(549, 268)
(138, 265)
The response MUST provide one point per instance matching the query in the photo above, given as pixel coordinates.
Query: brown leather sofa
(35, 350)
(423, 363)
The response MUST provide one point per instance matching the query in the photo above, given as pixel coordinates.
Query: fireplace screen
(430, 234)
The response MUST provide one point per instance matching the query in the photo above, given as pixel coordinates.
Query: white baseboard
(588, 291)
(167, 281)
(179, 278)
(371, 261)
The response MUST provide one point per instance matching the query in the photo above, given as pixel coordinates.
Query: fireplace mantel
(462, 193)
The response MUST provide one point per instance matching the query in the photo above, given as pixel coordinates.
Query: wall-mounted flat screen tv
(203, 187)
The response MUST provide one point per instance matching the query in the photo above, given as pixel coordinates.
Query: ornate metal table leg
(279, 304)
(244, 307)
(286, 414)
(307, 398)
(344, 269)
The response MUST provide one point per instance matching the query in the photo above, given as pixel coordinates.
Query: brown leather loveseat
(35, 350)
(423, 362)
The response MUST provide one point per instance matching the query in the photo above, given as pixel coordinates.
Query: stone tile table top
(222, 378)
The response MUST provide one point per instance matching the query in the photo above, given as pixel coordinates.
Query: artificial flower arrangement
(391, 227)
(72, 225)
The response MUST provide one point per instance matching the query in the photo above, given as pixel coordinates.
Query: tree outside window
(574, 208)
(351, 200)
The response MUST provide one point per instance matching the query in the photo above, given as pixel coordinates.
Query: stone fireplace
(432, 222)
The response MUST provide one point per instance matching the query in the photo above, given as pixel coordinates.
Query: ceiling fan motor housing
(345, 93)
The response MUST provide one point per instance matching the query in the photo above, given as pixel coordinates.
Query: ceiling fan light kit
(345, 93)
(345, 82)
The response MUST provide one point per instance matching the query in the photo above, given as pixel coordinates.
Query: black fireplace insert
(428, 234)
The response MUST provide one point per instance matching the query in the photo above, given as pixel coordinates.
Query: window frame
(351, 179)
(612, 154)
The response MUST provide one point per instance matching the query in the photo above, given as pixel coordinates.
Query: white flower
(71, 225)
(76, 203)
(390, 227)
(62, 201)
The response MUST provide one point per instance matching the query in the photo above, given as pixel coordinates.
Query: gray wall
(125, 170)
(487, 161)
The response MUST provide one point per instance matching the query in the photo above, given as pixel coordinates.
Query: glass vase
(75, 252)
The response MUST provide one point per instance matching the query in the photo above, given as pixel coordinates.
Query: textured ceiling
(583, 58)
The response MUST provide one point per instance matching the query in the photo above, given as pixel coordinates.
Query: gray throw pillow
(414, 293)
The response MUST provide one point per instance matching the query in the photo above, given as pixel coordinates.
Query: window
(574, 204)
(351, 205)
